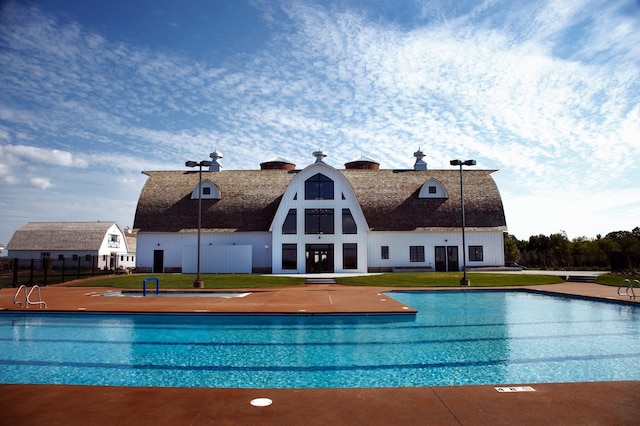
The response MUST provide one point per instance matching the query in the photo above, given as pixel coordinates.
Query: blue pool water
(457, 338)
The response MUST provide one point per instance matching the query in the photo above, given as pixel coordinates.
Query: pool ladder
(627, 284)
(27, 297)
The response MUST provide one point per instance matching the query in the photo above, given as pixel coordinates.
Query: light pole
(464, 281)
(198, 283)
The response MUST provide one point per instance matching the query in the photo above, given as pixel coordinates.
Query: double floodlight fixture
(462, 163)
(203, 163)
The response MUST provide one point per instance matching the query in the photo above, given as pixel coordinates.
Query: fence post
(15, 272)
(45, 270)
(31, 273)
(78, 276)
(63, 268)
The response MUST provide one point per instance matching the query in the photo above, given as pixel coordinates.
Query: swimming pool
(456, 338)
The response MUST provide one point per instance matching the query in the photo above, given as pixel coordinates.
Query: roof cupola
(277, 163)
(320, 155)
(215, 164)
(362, 163)
(420, 164)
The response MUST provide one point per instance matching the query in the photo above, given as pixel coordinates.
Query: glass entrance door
(319, 258)
(447, 258)
(441, 259)
(452, 258)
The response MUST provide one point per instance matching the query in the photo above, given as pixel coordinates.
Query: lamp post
(464, 281)
(198, 283)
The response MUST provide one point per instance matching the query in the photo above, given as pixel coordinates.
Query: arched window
(433, 188)
(318, 187)
(209, 191)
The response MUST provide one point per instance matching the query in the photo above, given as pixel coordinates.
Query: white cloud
(32, 154)
(40, 182)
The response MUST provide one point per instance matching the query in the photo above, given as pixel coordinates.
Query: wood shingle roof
(50, 236)
(250, 198)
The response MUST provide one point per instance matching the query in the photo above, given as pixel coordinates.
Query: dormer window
(209, 191)
(114, 241)
(318, 187)
(433, 188)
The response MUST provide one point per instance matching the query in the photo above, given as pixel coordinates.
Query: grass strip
(398, 279)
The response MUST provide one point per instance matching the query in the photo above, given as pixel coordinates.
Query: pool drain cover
(261, 402)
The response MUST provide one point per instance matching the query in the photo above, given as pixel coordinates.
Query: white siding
(174, 244)
(399, 242)
(217, 259)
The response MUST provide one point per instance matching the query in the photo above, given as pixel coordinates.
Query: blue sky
(547, 92)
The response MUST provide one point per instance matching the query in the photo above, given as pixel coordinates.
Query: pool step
(320, 281)
(581, 278)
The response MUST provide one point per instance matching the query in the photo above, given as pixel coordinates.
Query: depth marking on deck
(515, 389)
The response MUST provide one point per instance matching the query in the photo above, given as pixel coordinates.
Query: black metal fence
(15, 272)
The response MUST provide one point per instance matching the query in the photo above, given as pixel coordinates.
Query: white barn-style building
(102, 245)
(319, 219)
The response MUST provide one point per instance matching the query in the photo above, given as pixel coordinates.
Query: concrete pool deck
(601, 403)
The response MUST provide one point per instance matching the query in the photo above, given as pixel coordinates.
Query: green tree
(628, 247)
(511, 250)
(560, 250)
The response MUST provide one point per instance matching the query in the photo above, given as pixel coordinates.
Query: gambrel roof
(54, 236)
(249, 200)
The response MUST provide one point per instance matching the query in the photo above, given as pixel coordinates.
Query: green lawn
(184, 281)
(407, 279)
(614, 279)
(449, 279)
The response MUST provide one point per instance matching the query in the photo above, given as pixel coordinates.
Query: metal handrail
(628, 288)
(26, 297)
(27, 300)
(144, 285)
(39, 302)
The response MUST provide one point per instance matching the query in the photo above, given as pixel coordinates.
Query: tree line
(616, 251)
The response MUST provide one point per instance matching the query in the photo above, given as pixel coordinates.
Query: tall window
(318, 221)
(318, 187)
(348, 223)
(350, 256)
(289, 256)
(290, 225)
(384, 252)
(416, 253)
(476, 253)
